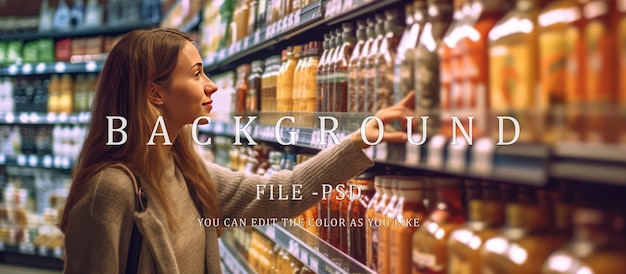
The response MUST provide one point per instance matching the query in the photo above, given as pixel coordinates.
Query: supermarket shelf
(316, 254)
(606, 164)
(305, 19)
(519, 163)
(38, 118)
(49, 68)
(105, 30)
(266, 37)
(33, 256)
(232, 261)
(37, 161)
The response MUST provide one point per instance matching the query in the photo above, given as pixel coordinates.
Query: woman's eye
(196, 74)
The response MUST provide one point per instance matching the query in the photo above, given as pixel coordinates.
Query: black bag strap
(136, 239)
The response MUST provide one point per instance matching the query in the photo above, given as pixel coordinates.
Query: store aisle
(13, 269)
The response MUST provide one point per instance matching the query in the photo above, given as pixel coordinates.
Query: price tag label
(257, 37)
(58, 252)
(304, 257)
(296, 18)
(482, 157)
(43, 251)
(246, 42)
(238, 46)
(290, 21)
(21, 160)
(413, 154)
(294, 248)
(27, 248)
(271, 231)
(221, 55)
(381, 152)
(435, 152)
(457, 156)
(314, 264)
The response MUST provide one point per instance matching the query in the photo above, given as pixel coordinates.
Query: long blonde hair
(140, 58)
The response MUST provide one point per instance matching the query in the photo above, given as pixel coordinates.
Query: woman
(152, 73)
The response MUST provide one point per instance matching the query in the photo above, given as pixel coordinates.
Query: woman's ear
(155, 94)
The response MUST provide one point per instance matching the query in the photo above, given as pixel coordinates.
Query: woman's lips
(207, 105)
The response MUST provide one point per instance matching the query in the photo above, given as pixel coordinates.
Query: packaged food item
(241, 87)
(253, 102)
(353, 75)
(309, 93)
(322, 71)
(382, 184)
(370, 64)
(430, 244)
(405, 59)
(356, 217)
(298, 77)
(427, 74)
(513, 73)
(384, 245)
(361, 67)
(384, 60)
(405, 220)
(485, 218)
(329, 91)
(339, 103)
(561, 56)
(335, 217)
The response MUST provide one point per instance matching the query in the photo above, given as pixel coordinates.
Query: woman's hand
(399, 111)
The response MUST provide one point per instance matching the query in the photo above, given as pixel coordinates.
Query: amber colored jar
(334, 213)
(430, 242)
(621, 69)
(513, 70)
(253, 102)
(370, 258)
(309, 90)
(241, 88)
(597, 245)
(356, 216)
(561, 60)
(374, 216)
(525, 243)
(427, 76)
(383, 229)
(405, 220)
(486, 217)
(601, 93)
(339, 101)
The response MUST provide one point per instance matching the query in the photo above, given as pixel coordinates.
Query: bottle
(405, 220)
(430, 245)
(485, 218)
(241, 14)
(309, 102)
(62, 17)
(474, 43)
(384, 245)
(382, 196)
(353, 75)
(298, 77)
(268, 84)
(334, 215)
(513, 63)
(53, 94)
(280, 79)
(361, 67)
(93, 14)
(526, 241)
(113, 13)
(241, 87)
(621, 46)
(322, 211)
(597, 241)
(329, 90)
(427, 79)
(601, 95)
(321, 73)
(450, 67)
(252, 17)
(356, 217)
(340, 71)
(45, 17)
(370, 64)
(384, 60)
(560, 42)
(77, 14)
(253, 102)
(405, 59)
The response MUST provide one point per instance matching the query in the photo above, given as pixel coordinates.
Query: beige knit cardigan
(100, 223)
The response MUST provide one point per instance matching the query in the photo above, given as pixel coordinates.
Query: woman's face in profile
(189, 94)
